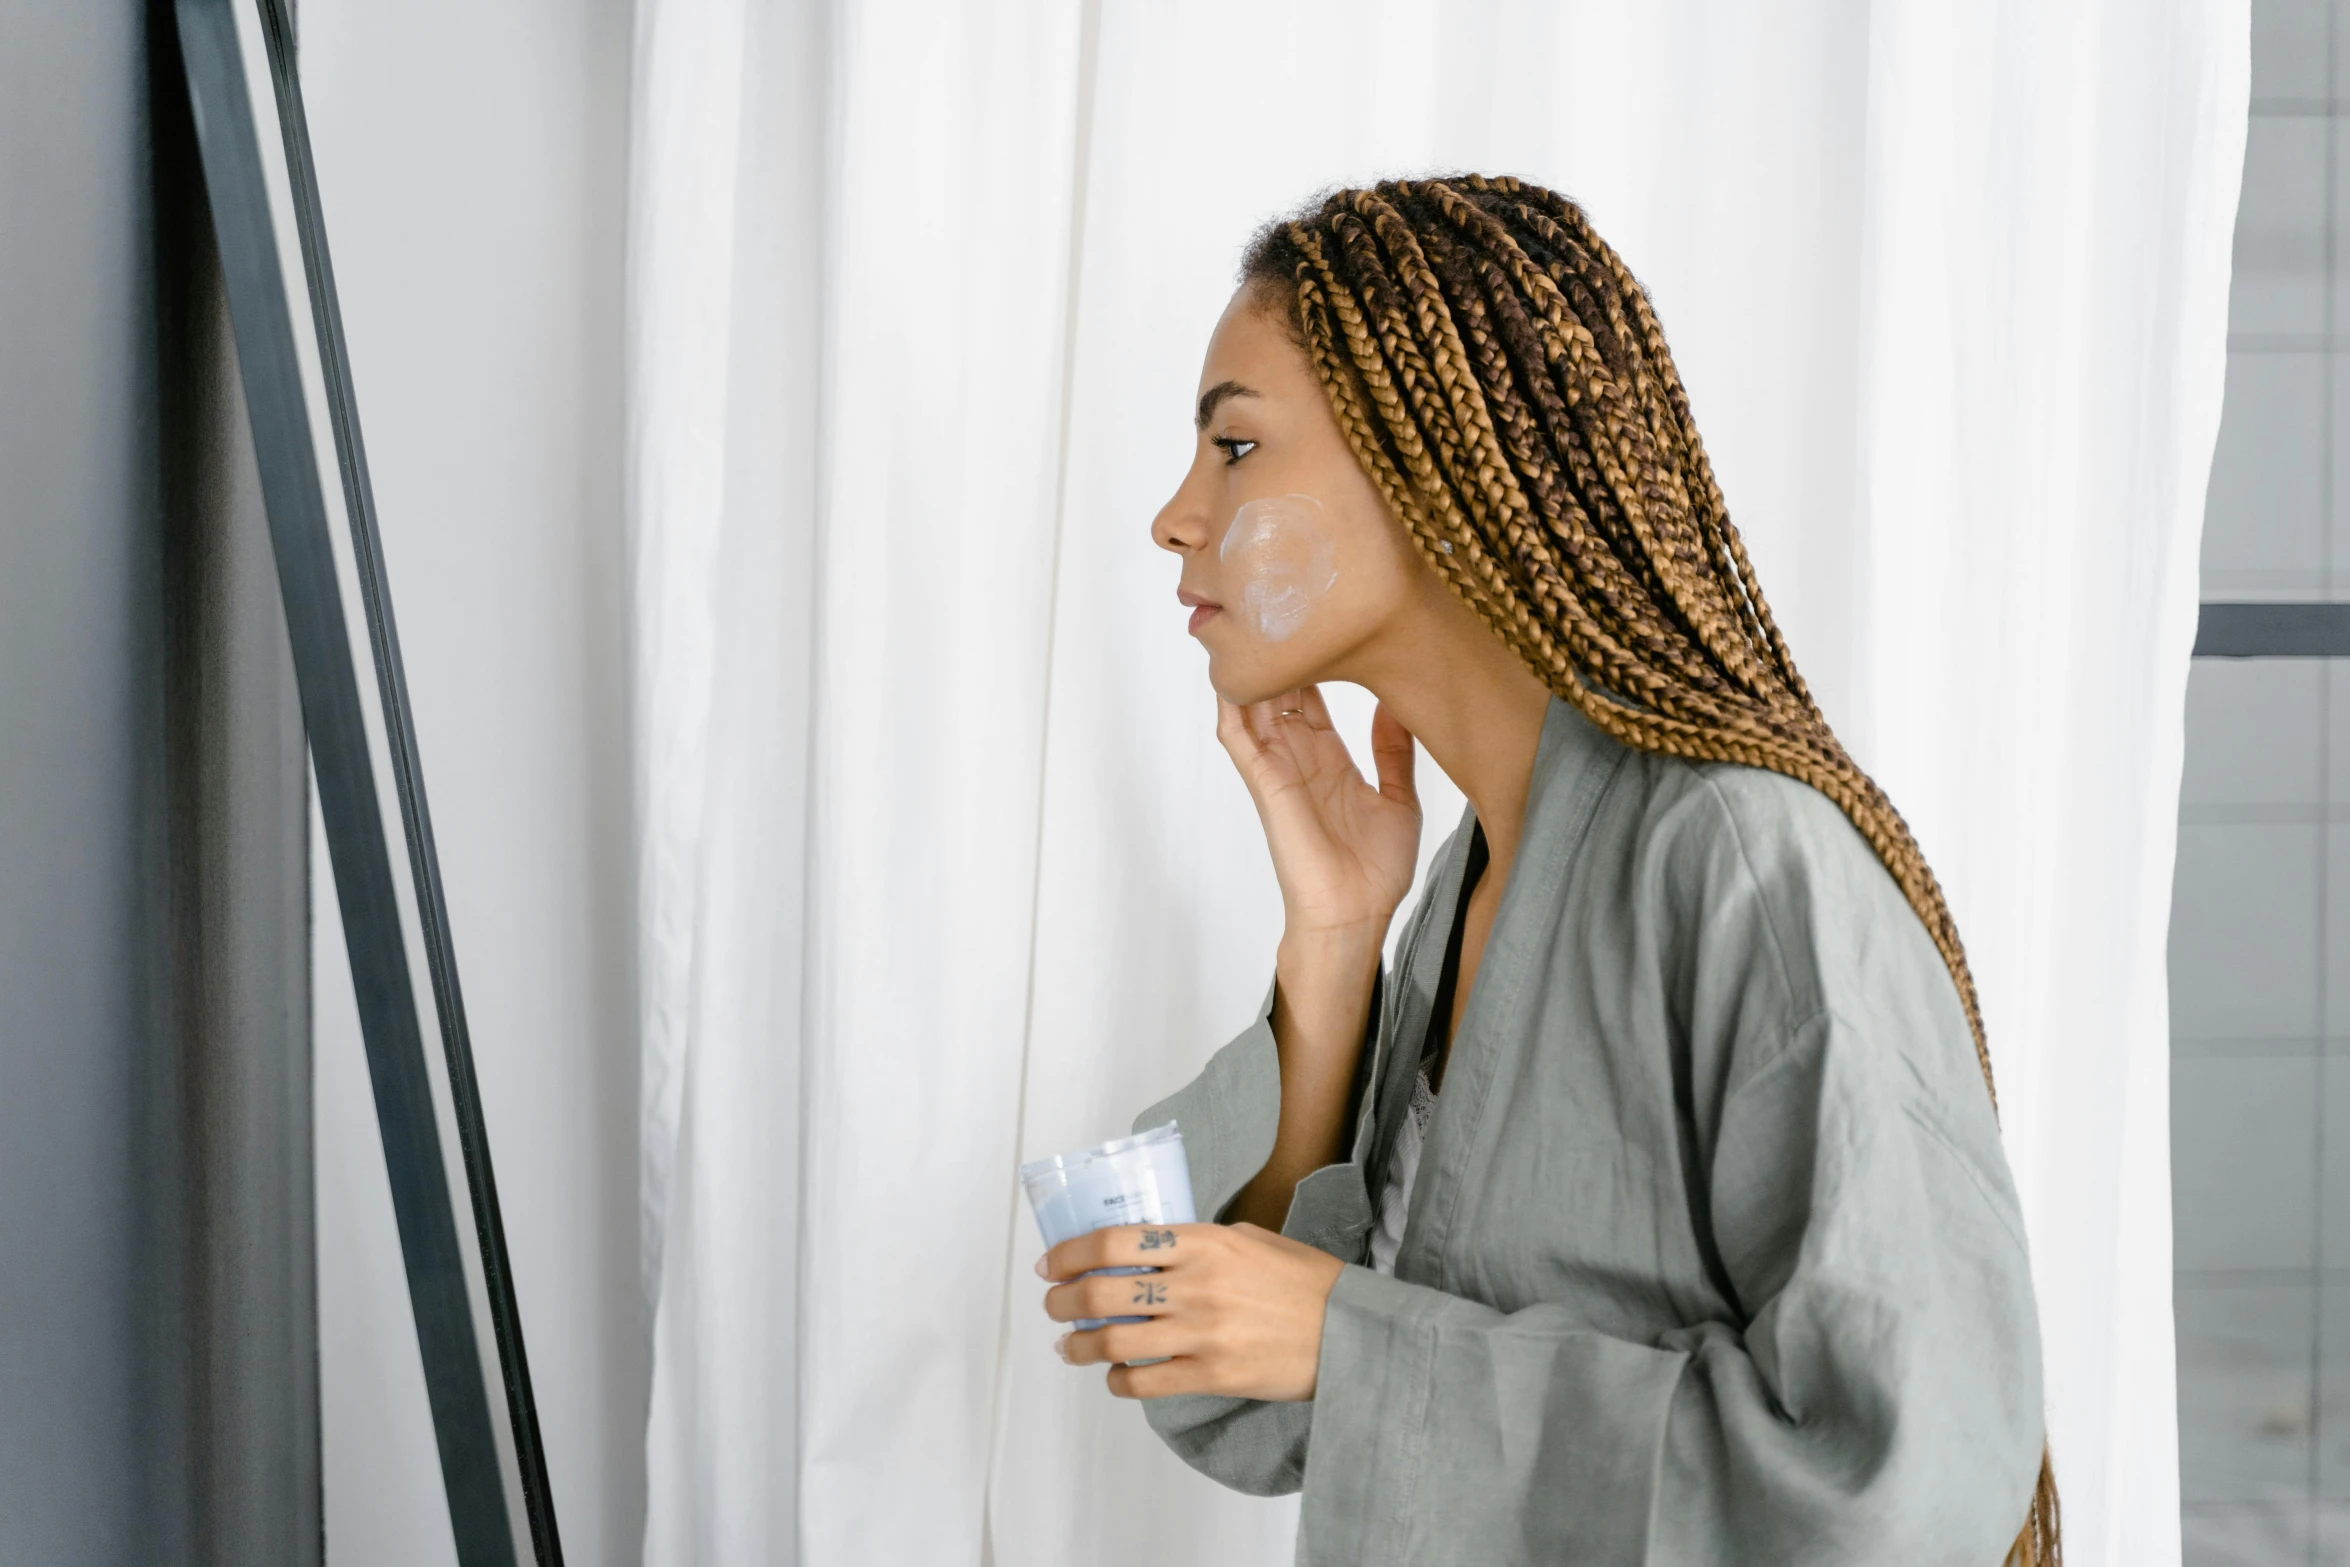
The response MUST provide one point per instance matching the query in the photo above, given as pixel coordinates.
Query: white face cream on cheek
(1282, 552)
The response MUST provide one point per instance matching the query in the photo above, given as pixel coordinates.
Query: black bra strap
(1434, 1051)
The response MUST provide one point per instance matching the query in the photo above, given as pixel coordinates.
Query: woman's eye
(1233, 448)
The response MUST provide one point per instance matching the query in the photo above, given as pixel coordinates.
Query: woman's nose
(1181, 525)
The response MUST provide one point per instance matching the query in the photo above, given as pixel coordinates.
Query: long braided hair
(1504, 381)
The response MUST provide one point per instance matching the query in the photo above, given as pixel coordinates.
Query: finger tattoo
(1149, 1292)
(1156, 1240)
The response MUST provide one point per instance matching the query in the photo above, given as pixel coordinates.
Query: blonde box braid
(1504, 381)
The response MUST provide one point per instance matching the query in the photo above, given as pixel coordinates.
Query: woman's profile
(1651, 1207)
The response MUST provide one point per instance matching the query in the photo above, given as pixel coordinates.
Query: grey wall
(241, 1219)
(158, 1388)
(84, 1296)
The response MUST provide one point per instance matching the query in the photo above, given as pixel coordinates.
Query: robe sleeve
(1880, 1404)
(1229, 1115)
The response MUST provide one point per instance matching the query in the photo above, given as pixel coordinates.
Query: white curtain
(940, 866)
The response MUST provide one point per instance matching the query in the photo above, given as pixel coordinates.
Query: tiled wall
(2260, 1112)
(2260, 923)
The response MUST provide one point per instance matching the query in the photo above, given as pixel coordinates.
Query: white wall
(472, 161)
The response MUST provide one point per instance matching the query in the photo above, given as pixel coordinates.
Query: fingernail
(1040, 1269)
(1061, 1348)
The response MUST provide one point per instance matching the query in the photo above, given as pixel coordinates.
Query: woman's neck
(1470, 701)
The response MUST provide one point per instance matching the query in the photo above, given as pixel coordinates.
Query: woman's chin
(1244, 677)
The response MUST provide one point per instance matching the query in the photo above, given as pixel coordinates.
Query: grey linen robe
(1713, 1255)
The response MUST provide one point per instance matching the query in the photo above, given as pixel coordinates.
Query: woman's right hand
(1344, 852)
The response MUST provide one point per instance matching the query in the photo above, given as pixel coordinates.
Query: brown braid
(1504, 381)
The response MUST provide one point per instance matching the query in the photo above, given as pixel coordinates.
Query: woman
(1652, 1209)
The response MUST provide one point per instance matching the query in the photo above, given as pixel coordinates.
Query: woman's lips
(1202, 610)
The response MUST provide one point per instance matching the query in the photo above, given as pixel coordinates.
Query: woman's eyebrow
(1214, 396)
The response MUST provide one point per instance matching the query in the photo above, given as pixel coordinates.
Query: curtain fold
(949, 202)
(940, 865)
(724, 326)
(2051, 199)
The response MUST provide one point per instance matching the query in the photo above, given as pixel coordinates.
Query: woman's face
(1292, 563)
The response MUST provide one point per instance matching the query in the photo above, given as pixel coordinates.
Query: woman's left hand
(1233, 1309)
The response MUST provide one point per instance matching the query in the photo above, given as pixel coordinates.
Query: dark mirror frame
(345, 753)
